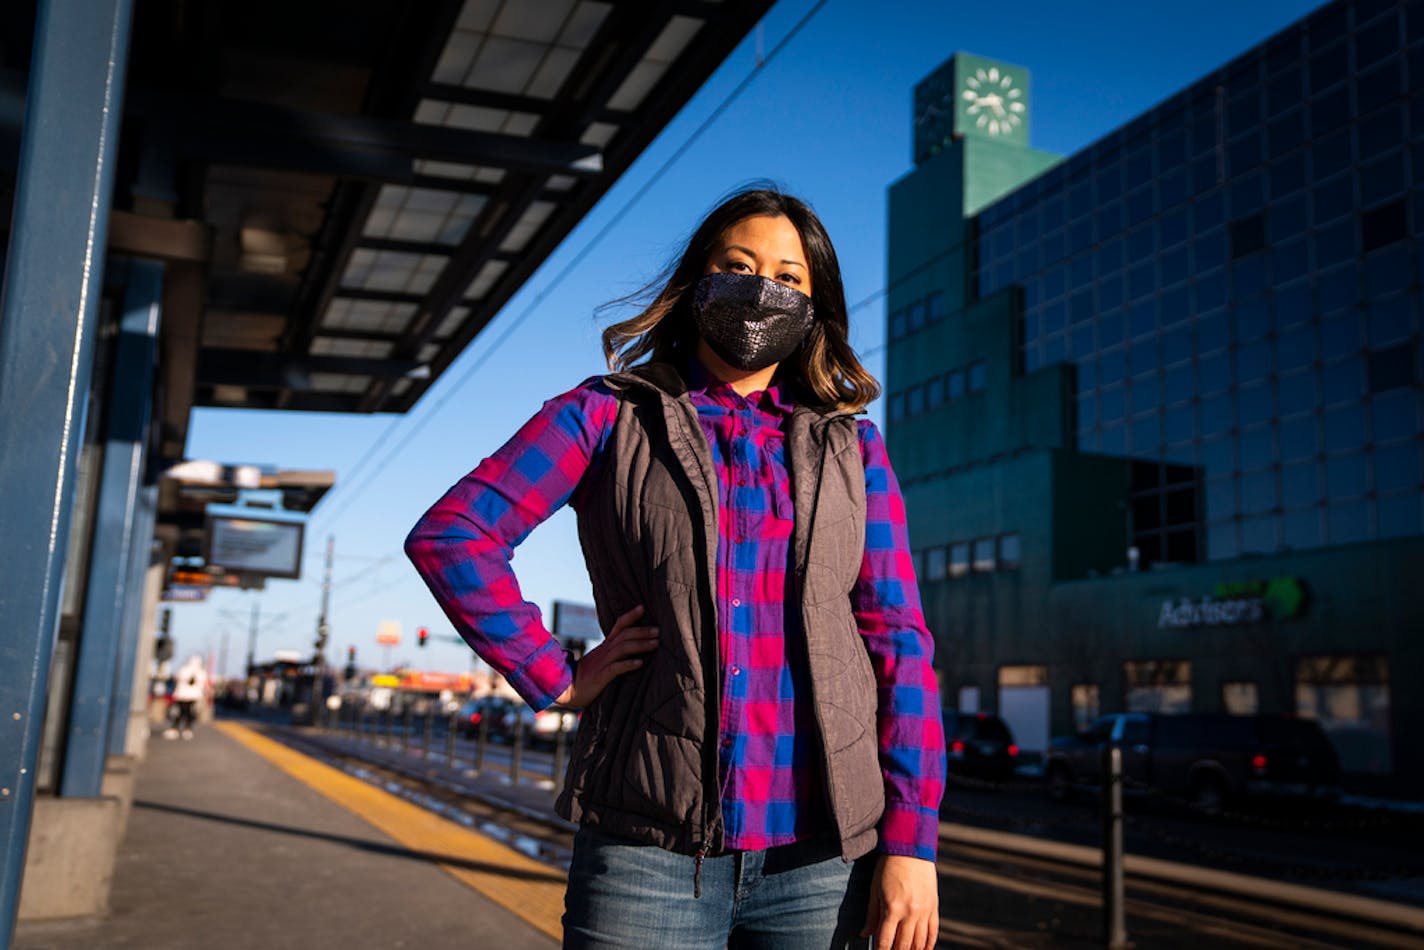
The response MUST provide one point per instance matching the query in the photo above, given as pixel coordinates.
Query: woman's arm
(904, 902)
(462, 546)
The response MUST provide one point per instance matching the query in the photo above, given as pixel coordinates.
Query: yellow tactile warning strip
(531, 890)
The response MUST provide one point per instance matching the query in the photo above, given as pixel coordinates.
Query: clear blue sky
(829, 119)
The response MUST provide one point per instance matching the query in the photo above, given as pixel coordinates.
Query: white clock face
(993, 101)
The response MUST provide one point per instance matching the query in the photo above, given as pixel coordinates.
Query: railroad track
(998, 890)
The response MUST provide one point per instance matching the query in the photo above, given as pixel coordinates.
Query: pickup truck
(1209, 760)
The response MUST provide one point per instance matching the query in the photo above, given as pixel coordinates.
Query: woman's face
(765, 245)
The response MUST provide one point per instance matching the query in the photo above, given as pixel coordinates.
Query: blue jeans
(795, 897)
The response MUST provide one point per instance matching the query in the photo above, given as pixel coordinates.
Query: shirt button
(736, 671)
(726, 743)
(736, 603)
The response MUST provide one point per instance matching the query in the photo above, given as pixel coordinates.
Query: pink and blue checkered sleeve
(462, 546)
(886, 604)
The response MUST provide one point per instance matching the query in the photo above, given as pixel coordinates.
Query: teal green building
(1156, 406)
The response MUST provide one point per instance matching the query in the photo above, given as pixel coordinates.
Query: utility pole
(252, 634)
(322, 632)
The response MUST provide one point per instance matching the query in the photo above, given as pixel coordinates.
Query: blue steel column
(139, 557)
(130, 403)
(52, 281)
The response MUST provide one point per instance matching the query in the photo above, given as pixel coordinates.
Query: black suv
(979, 745)
(1207, 759)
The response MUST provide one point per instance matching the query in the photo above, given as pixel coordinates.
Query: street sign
(185, 594)
(576, 621)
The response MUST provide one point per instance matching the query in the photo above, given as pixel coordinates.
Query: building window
(934, 393)
(959, 559)
(915, 315)
(1085, 705)
(897, 406)
(983, 555)
(1162, 686)
(935, 308)
(956, 385)
(935, 564)
(1240, 698)
(897, 324)
(1391, 369)
(914, 400)
(1349, 696)
(1248, 235)
(1009, 551)
(978, 376)
(1383, 226)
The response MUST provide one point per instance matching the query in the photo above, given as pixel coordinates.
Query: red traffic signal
(421, 636)
(350, 654)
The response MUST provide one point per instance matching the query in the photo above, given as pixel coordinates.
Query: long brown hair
(824, 372)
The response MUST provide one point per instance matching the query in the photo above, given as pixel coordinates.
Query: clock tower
(971, 97)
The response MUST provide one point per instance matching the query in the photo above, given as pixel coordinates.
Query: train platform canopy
(345, 193)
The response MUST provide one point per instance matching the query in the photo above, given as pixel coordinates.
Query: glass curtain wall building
(1186, 356)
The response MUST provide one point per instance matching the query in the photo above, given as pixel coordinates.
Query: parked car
(540, 728)
(979, 745)
(1207, 759)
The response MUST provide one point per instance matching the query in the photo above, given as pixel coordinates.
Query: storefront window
(1161, 686)
(983, 555)
(1349, 697)
(1240, 698)
(1085, 705)
(959, 559)
(935, 564)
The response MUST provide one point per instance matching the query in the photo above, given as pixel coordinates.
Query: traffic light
(421, 636)
(351, 654)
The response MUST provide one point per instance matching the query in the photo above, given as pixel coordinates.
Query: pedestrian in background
(760, 759)
(190, 687)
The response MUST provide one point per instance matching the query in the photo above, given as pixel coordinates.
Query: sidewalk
(227, 850)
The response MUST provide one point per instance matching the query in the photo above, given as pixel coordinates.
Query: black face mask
(750, 321)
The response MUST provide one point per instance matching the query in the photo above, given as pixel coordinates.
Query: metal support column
(53, 269)
(133, 628)
(92, 701)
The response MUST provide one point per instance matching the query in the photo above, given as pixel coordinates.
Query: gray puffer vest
(645, 763)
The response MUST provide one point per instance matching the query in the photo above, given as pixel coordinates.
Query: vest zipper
(806, 635)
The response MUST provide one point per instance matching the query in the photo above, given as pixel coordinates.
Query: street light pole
(322, 632)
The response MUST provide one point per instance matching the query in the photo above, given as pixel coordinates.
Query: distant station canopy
(347, 192)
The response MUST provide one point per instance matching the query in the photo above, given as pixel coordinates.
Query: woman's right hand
(619, 653)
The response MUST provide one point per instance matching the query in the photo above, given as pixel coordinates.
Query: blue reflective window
(1052, 213)
(1080, 235)
(1138, 167)
(1291, 304)
(1176, 265)
(1248, 193)
(1301, 529)
(1221, 498)
(1055, 282)
(1111, 327)
(1209, 211)
(936, 306)
(1087, 413)
(1080, 306)
(1344, 429)
(1258, 492)
(1055, 317)
(1173, 187)
(1113, 440)
(978, 376)
(914, 400)
(955, 387)
(1345, 476)
(1142, 280)
(1399, 515)
(1209, 290)
(1111, 404)
(1255, 447)
(1254, 403)
(1142, 319)
(1178, 424)
(1394, 415)
(1347, 524)
(1141, 243)
(1390, 321)
(1340, 334)
(1388, 270)
(1177, 345)
(1249, 276)
(1213, 331)
(1215, 414)
(1112, 216)
(1178, 384)
(1377, 134)
(934, 393)
(1329, 66)
(1218, 455)
(897, 406)
(1377, 88)
(1147, 434)
(1258, 535)
(1300, 484)
(1397, 467)
(1088, 372)
(1332, 199)
(1343, 381)
(1336, 289)
(1080, 271)
(1055, 247)
(1290, 260)
(1112, 366)
(1173, 228)
(1289, 218)
(1253, 361)
(1144, 392)
(1296, 392)
(897, 324)
(1055, 350)
(1285, 133)
(915, 315)
(1082, 341)
(1210, 248)
(1382, 179)
(1330, 154)
(1299, 439)
(1295, 348)
(1253, 318)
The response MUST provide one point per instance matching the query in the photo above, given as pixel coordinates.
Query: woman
(760, 759)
